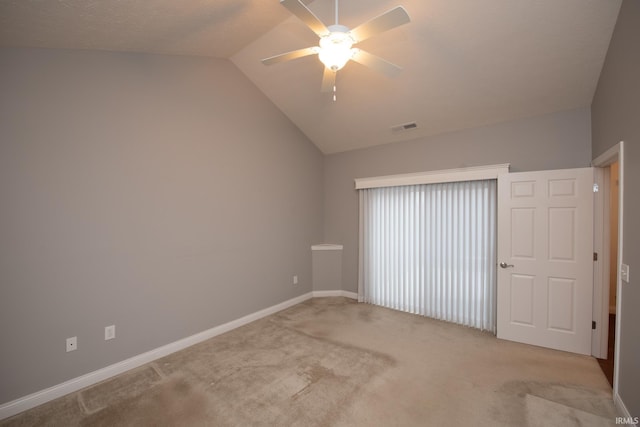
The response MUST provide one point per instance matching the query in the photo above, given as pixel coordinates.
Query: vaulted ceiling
(466, 63)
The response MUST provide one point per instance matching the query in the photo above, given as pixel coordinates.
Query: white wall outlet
(72, 344)
(624, 273)
(295, 280)
(109, 332)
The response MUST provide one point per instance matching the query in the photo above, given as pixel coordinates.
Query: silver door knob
(505, 265)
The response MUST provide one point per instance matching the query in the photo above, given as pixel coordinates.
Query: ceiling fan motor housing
(335, 47)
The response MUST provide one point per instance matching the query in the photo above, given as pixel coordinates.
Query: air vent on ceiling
(404, 127)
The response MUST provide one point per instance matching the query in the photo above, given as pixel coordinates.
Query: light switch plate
(624, 273)
(109, 332)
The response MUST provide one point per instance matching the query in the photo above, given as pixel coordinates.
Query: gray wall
(554, 141)
(615, 110)
(327, 270)
(165, 195)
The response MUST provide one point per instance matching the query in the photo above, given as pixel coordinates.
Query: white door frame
(601, 246)
(601, 265)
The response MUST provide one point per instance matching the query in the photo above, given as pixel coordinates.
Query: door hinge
(595, 256)
(593, 324)
(596, 188)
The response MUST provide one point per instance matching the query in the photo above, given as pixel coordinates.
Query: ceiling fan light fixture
(335, 48)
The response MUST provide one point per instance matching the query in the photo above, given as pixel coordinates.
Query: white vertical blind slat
(431, 249)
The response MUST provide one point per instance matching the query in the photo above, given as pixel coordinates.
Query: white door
(545, 256)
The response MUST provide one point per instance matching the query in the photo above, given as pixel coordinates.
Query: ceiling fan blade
(388, 20)
(305, 15)
(376, 63)
(295, 54)
(328, 80)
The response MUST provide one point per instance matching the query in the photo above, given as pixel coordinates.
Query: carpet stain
(266, 373)
(312, 328)
(124, 386)
(312, 375)
(365, 315)
(182, 402)
(514, 396)
(542, 413)
(64, 411)
(175, 402)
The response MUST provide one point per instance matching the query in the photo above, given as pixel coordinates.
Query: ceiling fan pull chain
(334, 93)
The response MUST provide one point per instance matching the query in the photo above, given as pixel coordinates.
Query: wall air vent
(404, 127)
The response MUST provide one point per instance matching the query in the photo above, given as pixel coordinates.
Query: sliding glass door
(431, 250)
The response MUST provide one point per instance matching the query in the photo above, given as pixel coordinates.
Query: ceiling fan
(336, 41)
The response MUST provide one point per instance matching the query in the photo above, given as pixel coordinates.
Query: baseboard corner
(619, 404)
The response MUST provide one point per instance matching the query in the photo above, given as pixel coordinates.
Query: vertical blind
(431, 250)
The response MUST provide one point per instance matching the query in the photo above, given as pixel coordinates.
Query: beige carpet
(331, 361)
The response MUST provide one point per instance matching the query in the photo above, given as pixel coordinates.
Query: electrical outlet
(72, 344)
(295, 280)
(109, 332)
(624, 273)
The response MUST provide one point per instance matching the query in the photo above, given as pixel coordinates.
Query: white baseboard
(346, 294)
(617, 400)
(38, 398)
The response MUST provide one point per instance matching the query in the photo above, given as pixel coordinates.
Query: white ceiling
(216, 28)
(466, 63)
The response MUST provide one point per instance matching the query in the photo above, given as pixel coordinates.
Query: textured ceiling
(466, 63)
(216, 28)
